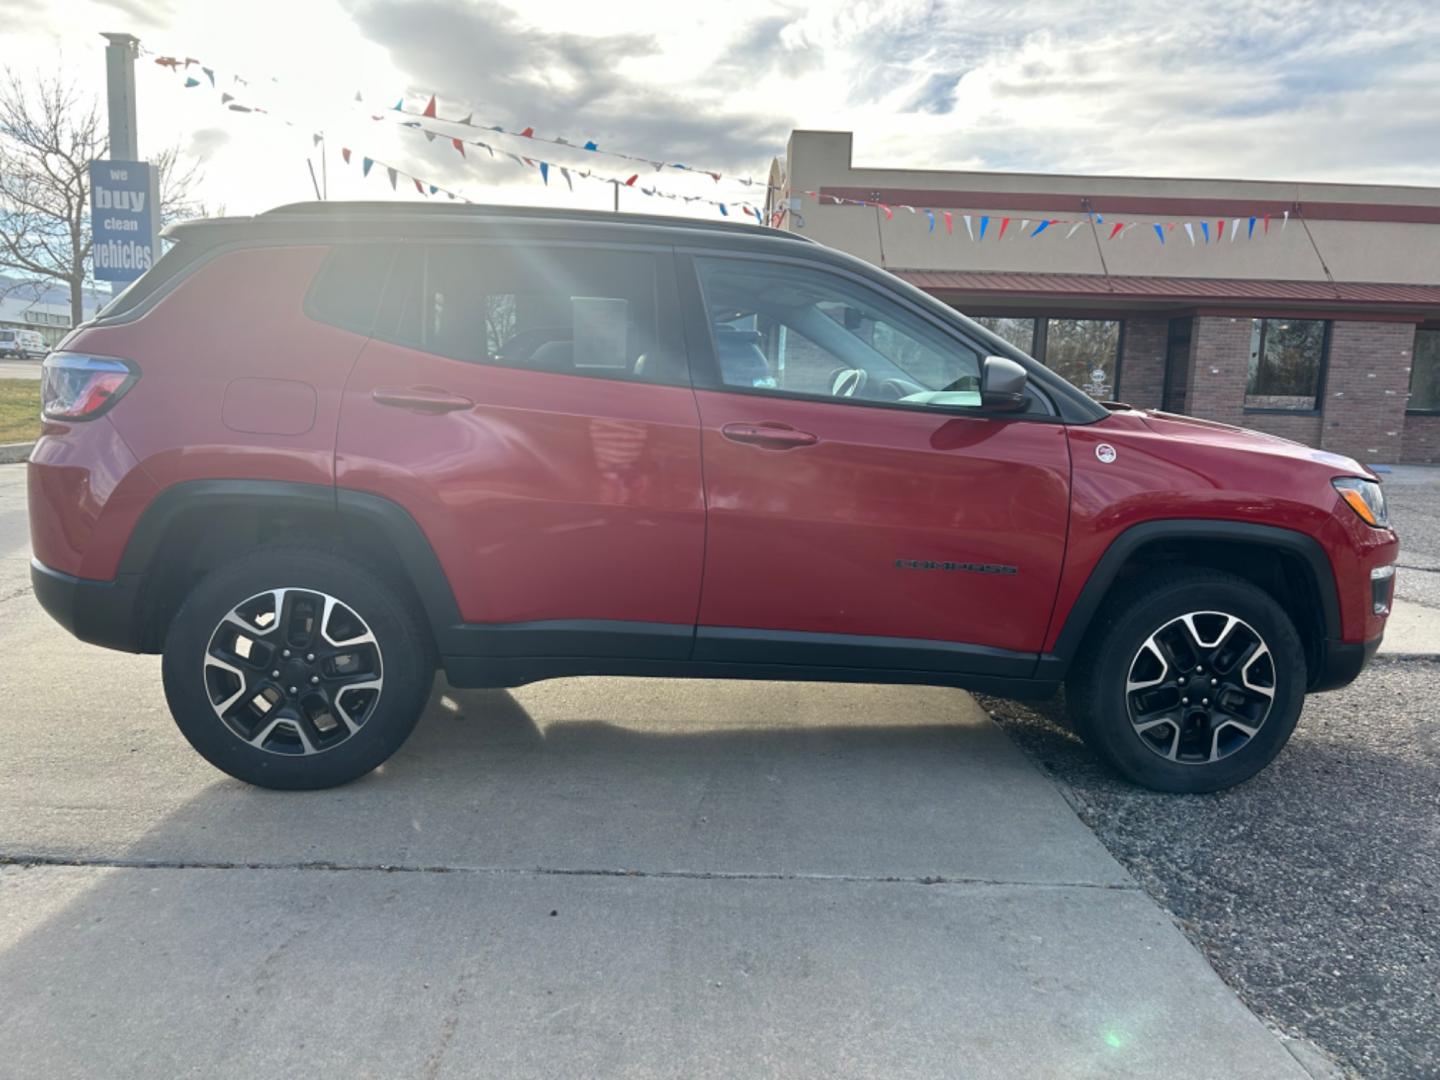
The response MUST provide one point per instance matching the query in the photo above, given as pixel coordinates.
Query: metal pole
(120, 57)
(616, 184)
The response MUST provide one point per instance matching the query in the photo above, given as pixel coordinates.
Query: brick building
(1323, 325)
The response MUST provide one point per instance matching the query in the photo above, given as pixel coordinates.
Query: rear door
(862, 510)
(529, 406)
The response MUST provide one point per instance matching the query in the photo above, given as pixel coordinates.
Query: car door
(862, 510)
(529, 406)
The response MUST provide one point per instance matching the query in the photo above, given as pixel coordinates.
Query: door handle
(769, 435)
(425, 399)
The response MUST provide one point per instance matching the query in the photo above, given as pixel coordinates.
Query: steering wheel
(849, 382)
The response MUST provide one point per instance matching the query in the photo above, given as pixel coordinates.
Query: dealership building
(43, 307)
(1318, 321)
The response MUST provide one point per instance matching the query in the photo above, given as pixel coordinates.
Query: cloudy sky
(1276, 90)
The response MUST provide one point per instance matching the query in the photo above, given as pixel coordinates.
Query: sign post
(124, 213)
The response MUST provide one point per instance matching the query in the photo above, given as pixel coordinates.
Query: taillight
(74, 386)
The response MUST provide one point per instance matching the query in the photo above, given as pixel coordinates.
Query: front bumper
(1342, 662)
(107, 613)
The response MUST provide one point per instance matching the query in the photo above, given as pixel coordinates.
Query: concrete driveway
(580, 878)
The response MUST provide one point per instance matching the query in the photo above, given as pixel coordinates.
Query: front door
(854, 489)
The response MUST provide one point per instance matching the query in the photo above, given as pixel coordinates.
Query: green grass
(19, 410)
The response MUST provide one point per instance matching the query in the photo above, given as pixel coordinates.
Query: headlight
(1365, 498)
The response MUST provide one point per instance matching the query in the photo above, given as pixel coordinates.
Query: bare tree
(49, 135)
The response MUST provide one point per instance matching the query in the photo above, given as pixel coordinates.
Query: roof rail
(482, 211)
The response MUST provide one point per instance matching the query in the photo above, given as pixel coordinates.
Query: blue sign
(123, 218)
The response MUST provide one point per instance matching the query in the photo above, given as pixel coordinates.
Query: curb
(11, 453)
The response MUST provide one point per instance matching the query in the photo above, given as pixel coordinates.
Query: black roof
(430, 219)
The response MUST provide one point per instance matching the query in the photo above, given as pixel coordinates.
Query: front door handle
(425, 399)
(769, 435)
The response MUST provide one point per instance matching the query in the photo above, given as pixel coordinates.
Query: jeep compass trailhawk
(312, 455)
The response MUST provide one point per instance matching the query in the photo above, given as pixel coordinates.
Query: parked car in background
(22, 344)
(313, 455)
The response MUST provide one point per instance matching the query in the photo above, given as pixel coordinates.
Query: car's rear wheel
(1190, 683)
(296, 668)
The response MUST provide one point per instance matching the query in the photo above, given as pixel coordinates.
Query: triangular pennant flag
(192, 81)
(399, 106)
(209, 74)
(1115, 229)
(459, 144)
(357, 96)
(1073, 229)
(1220, 230)
(1004, 222)
(225, 99)
(889, 216)
(631, 181)
(430, 108)
(968, 229)
(433, 189)
(240, 108)
(429, 135)
(723, 211)
(590, 145)
(529, 132)
(1024, 224)
(1286, 222)
(345, 153)
(393, 174)
(316, 140)
(466, 122)
(1251, 234)
(984, 224)
(566, 174)
(1160, 233)
(1267, 224)
(365, 166)
(545, 172)
(931, 215)
(1190, 232)
(1234, 229)
(418, 186)
(1041, 228)
(949, 225)
(1205, 228)
(168, 61)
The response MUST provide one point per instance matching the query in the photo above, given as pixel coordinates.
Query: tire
(1245, 663)
(351, 687)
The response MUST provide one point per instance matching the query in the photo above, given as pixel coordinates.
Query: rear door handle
(769, 435)
(425, 399)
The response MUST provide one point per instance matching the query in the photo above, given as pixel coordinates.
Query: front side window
(578, 311)
(1286, 358)
(795, 329)
(1084, 352)
(1425, 373)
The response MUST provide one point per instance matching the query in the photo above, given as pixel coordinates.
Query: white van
(24, 344)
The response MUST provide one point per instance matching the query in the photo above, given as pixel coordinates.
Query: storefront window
(1018, 332)
(1085, 352)
(1286, 358)
(1425, 373)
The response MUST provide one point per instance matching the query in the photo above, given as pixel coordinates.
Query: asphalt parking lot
(1314, 889)
(651, 878)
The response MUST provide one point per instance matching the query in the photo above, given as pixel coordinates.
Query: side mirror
(1002, 384)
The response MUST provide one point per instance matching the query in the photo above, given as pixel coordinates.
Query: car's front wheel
(1190, 683)
(294, 668)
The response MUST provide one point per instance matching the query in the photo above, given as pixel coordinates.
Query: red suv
(314, 454)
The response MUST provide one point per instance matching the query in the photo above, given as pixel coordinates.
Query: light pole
(120, 57)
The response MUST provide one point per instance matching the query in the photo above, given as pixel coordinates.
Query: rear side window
(346, 291)
(580, 311)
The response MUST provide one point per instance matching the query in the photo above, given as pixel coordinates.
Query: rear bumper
(1342, 662)
(104, 613)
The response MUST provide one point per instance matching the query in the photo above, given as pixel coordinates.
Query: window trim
(1322, 374)
(669, 324)
(705, 365)
(1435, 409)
